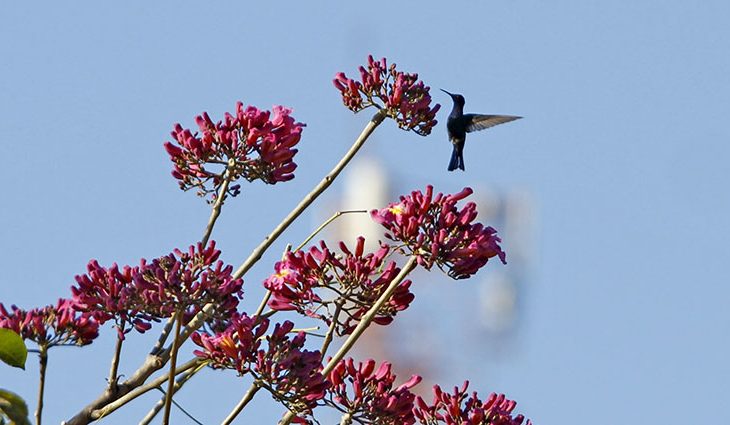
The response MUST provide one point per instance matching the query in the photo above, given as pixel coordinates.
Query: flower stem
(173, 360)
(330, 332)
(364, 323)
(160, 344)
(222, 194)
(43, 360)
(115, 361)
(321, 227)
(252, 390)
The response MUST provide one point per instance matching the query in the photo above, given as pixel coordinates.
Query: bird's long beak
(447, 92)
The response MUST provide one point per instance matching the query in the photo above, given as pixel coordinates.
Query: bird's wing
(476, 122)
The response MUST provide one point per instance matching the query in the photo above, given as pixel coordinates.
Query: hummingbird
(460, 123)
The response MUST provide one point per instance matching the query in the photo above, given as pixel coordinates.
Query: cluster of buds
(110, 294)
(252, 144)
(462, 408)
(355, 279)
(367, 395)
(438, 232)
(235, 347)
(400, 95)
(62, 324)
(291, 373)
(187, 281)
(179, 282)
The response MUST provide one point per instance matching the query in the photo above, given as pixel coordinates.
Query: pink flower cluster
(367, 394)
(252, 144)
(109, 293)
(356, 279)
(61, 324)
(438, 232)
(460, 408)
(285, 368)
(291, 372)
(180, 281)
(188, 280)
(235, 347)
(402, 96)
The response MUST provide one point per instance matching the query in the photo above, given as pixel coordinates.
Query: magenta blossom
(187, 281)
(61, 324)
(353, 281)
(234, 348)
(177, 282)
(368, 394)
(110, 294)
(291, 373)
(461, 408)
(402, 96)
(438, 232)
(252, 144)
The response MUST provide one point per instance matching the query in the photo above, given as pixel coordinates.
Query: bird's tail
(457, 159)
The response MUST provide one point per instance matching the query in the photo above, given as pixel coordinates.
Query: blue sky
(623, 149)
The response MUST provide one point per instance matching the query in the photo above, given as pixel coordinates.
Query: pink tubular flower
(61, 324)
(108, 294)
(438, 232)
(292, 374)
(187, 281)
(460, 408)
(234, 348)
(355, 279)
(252, 144)
(180, 281)
(402, 96)
(367, 393)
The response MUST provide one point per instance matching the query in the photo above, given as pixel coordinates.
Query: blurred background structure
(611, 194)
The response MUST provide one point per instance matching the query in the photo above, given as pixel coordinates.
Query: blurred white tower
(365, 188)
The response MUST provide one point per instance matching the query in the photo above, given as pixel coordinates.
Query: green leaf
(12, 349)
(14, 407)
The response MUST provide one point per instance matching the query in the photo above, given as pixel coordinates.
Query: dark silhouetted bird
(460, 123)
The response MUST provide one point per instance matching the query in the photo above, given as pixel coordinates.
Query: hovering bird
(460, 123)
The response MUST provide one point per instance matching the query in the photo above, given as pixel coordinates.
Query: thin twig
(321, 227)
(305, 330)
(182, 409)
(160, 344)
(114, 369)
(330, 332)
(222, 194)
(364, 323)
(262, 304)
(43, 360)
(171, 381)
(252, 390)
(140, 390)
(179, 382)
